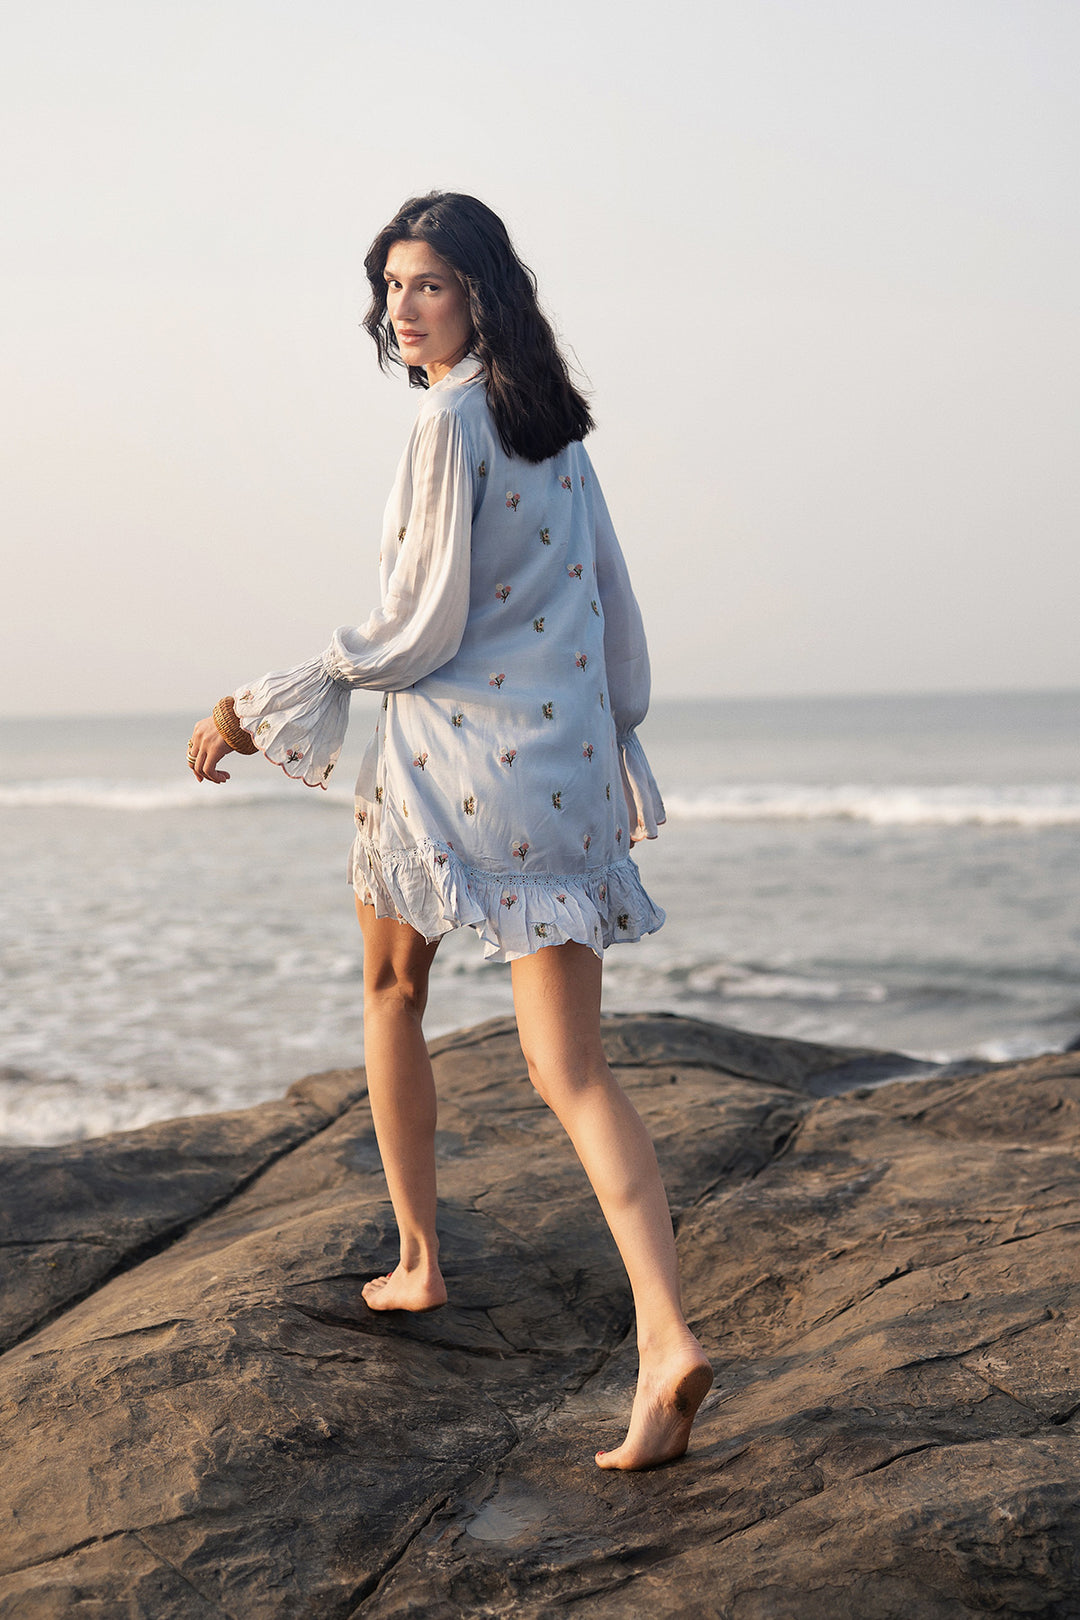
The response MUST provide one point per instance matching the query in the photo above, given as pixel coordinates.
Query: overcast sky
(816, 260)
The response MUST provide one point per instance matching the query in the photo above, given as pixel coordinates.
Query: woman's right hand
(205, 748)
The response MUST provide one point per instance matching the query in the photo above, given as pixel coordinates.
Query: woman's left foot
(401, 1290)
(665, 1406)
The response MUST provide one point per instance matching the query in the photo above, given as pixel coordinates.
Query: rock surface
(200, 1417)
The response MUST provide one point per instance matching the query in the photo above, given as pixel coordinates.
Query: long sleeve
(626, 658)
(298, 716)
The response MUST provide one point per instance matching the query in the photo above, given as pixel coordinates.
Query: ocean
(897, 872)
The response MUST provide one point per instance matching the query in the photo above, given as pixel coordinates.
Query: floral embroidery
(294, 755)
(574, 570)
(509, 899)
(261, 730)
(520, 850)
(623, 920)
(420, 760)
(566, 481)
(378, 795)
(508, 756)
(540, 930)
(385, 703)
(556, 801)
(502, 592)
(441, 859)
(361, 817)
(456, 719)
(481, 471)
(583, 480)
(538, 625)
(400, 535)
(404, 809)
(245, 697)
(561, 898)
(496, 680)
(602, 891)
(548, 710)
(581, 660)
(512, 500)
(607, 790)
(328, 769)
(469, 805)
(587, 751)
(601, 700)
(618, 835)
(594, 607)
(545, 537)
(585, 842)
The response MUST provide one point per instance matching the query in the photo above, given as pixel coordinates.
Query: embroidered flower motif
(400, 535)
(585, 842)
(623, 920)
(509, 899)
(540, 930)
(404, 809)
(581, 660)
(502, 592)
(556, 800)
(441, 859)
(574, 570)
(618, 835)
(602, 891)
(538, 625)
(594, 607)
(496, 680)
(508, 756)
(378, 795)
(262, 729)
(294, 755)
(566, 481)
(548, 710)
(583, 480)
(561, 898)
(245, 697)
(469, 805)
(512, 500)
(587, 751)
(456, 719)
(520, 850)
(361, 817)
(328, 769)
(385, 703)
(545, 537)
(601, 700)
(481, 471)
(607, 790)
(419, 761)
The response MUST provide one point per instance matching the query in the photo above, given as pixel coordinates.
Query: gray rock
(886, 1281)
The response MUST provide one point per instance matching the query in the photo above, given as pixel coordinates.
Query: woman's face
(427, 307)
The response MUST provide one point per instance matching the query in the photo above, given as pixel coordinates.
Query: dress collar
(464, 371)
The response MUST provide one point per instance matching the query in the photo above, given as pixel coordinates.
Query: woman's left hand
(205, 748)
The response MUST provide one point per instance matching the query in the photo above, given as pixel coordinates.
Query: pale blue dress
(504, 780)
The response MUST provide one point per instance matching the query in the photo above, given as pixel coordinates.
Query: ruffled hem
(515, 914)
(297, 719)
(639, 785)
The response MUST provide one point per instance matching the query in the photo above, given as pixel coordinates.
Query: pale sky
(816, 260)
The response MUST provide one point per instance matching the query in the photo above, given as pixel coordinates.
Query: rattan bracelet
(231, 729)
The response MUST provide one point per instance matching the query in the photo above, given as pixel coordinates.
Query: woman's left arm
(297, 717)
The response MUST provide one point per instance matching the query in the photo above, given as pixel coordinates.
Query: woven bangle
(231, 729)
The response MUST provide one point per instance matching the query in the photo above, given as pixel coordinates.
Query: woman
(504, 784)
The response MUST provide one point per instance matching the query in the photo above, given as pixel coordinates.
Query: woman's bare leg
(401, 1090)
(557, 1001)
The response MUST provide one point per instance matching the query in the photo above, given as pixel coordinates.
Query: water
(894, 872)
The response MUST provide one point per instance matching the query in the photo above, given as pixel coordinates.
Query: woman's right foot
(401, 1290)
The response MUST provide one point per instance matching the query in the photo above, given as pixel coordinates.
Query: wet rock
(886, 1281)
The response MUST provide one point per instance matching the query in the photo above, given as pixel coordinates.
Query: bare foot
(665, 1406)
(401, 1290)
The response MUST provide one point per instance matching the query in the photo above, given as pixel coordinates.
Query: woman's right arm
(297, 717)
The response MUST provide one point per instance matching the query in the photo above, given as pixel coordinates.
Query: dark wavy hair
(536, 407)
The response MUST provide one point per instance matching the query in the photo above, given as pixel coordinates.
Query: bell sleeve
(626, 657)
(298, 717)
